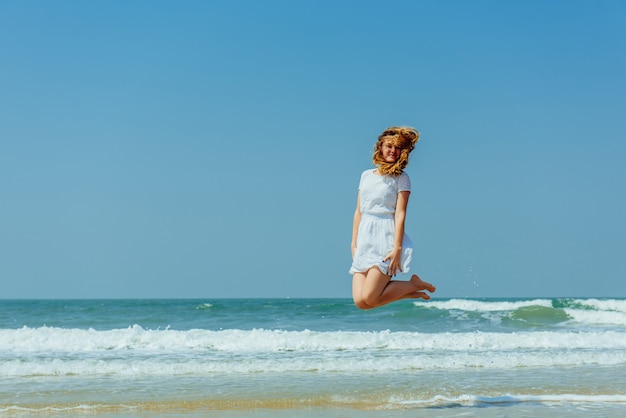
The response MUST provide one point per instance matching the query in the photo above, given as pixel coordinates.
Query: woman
(380, 248)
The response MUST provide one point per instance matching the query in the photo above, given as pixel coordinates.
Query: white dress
(376, 235)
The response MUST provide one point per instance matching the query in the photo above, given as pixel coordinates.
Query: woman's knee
(370, 298)
(360, 303)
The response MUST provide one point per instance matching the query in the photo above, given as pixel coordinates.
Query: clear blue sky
(213, 148)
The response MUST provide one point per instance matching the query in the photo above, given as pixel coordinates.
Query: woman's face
(389, 151)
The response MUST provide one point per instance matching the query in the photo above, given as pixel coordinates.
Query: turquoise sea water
(313, 357)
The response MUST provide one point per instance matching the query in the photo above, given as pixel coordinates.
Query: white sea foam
(483, 306)
(472, 400)
(583, 311)
(136, 351)
(133, 367)
(606, 317)
(615, 305)
(19, 410)
(60, 340)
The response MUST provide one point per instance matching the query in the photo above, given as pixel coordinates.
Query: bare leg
(358, 279)
(374, 288)
(421, 284)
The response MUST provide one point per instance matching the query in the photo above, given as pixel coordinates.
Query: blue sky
(213, 148)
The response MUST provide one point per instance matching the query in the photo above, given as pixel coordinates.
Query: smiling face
(390, 151)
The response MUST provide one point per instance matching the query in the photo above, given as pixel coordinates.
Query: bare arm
(356, 222)
(395, 256)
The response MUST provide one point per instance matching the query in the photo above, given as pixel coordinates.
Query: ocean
(313, 357)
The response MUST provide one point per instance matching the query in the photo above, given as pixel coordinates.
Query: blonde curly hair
(403, 137)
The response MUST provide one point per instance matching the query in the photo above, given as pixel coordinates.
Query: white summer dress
(376, 235)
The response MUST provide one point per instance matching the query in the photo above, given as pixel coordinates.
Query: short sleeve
(404, 183)
(363, 175)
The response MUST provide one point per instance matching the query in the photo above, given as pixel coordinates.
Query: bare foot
(418, 295)
(421, 284)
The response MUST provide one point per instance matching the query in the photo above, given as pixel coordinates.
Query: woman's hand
(395, 259)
